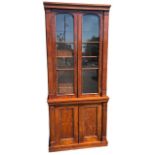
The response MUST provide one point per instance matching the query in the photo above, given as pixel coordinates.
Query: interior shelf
(64, 42)
(89, 56)
(65, 69)
(67, 56)
(90, 42)
(90, 68)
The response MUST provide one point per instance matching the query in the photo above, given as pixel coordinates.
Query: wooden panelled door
(65, 125)
(77, 62)
(90, 122)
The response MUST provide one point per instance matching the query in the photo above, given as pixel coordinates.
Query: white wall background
(131, 79)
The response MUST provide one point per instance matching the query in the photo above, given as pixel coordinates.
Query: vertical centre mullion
(75, 54)
(79, 40)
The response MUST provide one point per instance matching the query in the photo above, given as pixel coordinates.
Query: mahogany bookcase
(77, 41)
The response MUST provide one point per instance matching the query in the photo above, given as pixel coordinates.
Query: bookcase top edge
(62, 5)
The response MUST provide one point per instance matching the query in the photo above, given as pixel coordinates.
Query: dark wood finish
(76, 120)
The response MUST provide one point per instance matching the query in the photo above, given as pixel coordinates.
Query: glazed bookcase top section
(78, 6)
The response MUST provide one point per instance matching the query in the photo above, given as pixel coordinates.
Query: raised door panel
(65, 125)
(90, 123)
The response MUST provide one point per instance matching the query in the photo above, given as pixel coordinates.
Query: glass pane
(90, 49)
(64, 36)
(90, 53)
(64, 28)
(90, 81)
(90, 28)
(90, 62)
(65, 53)
(64, 62)
(65, 82)
(64, 49)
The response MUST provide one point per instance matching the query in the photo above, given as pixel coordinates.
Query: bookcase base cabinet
(77, 126)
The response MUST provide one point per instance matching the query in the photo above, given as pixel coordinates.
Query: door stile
(75, 55)
(100, 61)
(53, 51)
(105, 51)
(79, 42)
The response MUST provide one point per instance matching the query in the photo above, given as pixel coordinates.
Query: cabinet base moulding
(77, 146)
